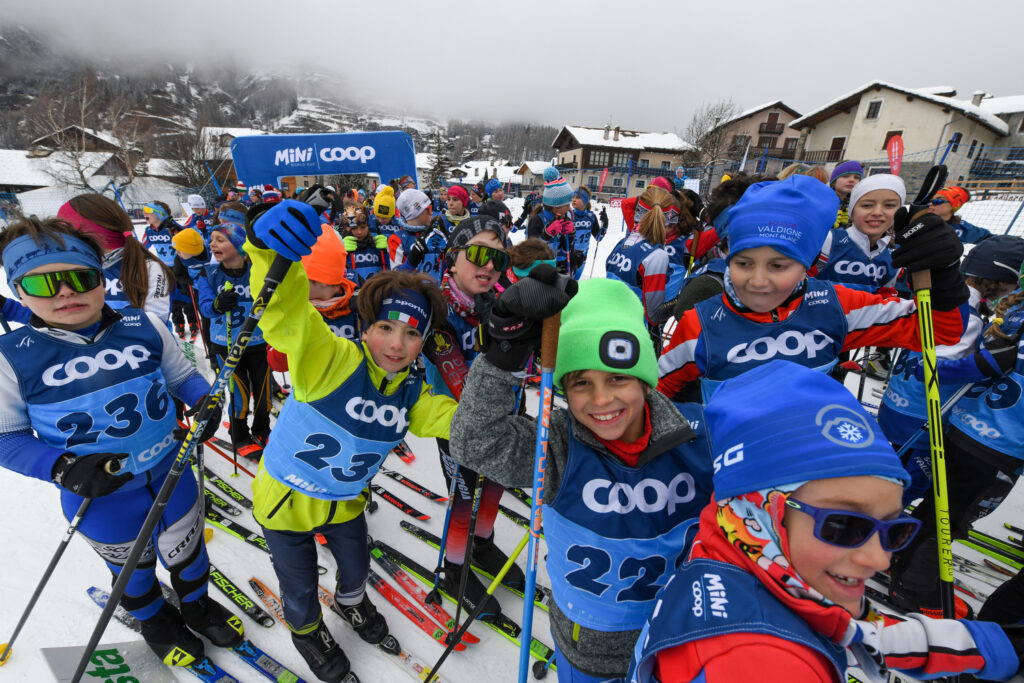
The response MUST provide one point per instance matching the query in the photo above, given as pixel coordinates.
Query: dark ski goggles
(479, 255)
(848, 529)
(47, 285)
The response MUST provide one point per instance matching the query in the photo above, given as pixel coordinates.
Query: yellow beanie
(384, 202)
(188, 242)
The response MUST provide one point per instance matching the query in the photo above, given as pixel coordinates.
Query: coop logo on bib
(843, 426)
(387, 416)
(647, 495)
(789, 343)
(709, 597)
(83, 367)
(872, 270)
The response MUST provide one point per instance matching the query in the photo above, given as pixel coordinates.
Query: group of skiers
(712, 509)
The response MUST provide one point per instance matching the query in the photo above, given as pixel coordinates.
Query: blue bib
(392, 228)
(615, 533)
(993, 413)
(217, 279)
(706, 598)
(584, 222)
(466, 334)
(432, 264)
(109, 396)
(624, 263)
(363, 263)
(731, 344)
(848, 264)
(345, 326)
(114, 295)
(332, 447)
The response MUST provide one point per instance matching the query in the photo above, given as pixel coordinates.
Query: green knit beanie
(603, 329)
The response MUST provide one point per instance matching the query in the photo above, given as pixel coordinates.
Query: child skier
(858, 255)
(550, 220)
(948, 201)
(382, 219)
(807, 506)
(585, 226)
(844, 178)
(227, 306)
(421, 242)
(367, 253)
(626, 473)
(93, 385)
(160, 231)
(354, 402)
(771, 310)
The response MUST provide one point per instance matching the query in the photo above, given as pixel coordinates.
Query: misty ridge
(161, 108)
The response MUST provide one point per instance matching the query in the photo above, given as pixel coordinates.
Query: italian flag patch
(403, 318)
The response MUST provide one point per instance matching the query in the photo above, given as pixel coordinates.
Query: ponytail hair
(652, 226)
(106, 213)
(1004, 305)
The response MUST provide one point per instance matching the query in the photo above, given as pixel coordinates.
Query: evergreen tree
(439, 171)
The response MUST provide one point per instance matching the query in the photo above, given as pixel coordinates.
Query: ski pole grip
(549, 341)
(922, 279)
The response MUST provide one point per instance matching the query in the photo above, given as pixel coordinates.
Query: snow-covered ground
(65, 615)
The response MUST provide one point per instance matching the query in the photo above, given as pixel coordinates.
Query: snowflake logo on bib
(844, 426)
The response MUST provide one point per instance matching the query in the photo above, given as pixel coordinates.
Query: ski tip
(5, 653)
(423, 517)
(207, 534)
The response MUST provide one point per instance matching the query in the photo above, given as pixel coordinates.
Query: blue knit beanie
(557, 191)
(782, 423)
(492, 185)
(844, 168)
(791, 216)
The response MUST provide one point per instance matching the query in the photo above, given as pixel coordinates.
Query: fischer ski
(403, 451)
(235, 594)
(522, 496)
(992, 551)
(501, 623)
(213, 499)
(418, 594)
(518, 518)
(268, 598)
(541, 595)
(203, 669)
(398, 502)
(227, 489)
(416, 616)
(240, 532)
(415, 486)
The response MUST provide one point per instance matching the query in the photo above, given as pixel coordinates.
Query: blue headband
(231, 216)
(583, 195)
(157, 211)
(24, 254)
(407, 306)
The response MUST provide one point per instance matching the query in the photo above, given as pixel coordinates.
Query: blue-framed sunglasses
(848, 529)
(939, 200)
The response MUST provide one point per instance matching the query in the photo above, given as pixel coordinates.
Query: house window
(1020, 128)
(981, 149)
(592, 181)
(970, 152)
(599, 158)
(574, 158)
(889, 136)
(874, 107)
(640, 185)
(791, 143)
(766, 142)
(740, 140)
(644, 163)
(665, 165)
(955, 140)
(619, 159)
(617, 182)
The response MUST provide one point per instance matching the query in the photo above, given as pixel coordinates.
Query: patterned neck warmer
(458, 301)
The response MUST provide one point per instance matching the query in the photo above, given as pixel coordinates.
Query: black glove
(180, 271)
(924, 243)
(90, 476)
(416, 252)
(517, 318)
(1015, 634)
(604, 220)
(226, 301)
(998, 356)
(210, 430)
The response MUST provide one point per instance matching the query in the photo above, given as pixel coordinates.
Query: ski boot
(369, 624)
(251, 450)
(208, 617)
(489, 557)
(166, 634)
(179, 329)
(475, 590)
(324, 656)
(193, 331)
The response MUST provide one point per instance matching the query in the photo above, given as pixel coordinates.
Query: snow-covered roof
(535, 167)
(1003, 105)
(628, 139)
(46, 201)
(105, 137)
(941, 90)
(161, 167)
(424, 160)
(18, 168)
(970, 111)
(215, 132)
(761, 107)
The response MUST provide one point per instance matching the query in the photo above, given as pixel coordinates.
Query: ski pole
(922, 282)
(468, 561)
(434, 596)
(278, 269)
(456, 636)
(695, 236)
(228, 286)
(548, 349)
(75, 521)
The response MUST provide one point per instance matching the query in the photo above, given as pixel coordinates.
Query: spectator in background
(255, 196)
(476, 198)
(405, 183)
(946, 203)
(383, 222)
(440, 202)
(844, 178)
(679, 182)
(494, 190)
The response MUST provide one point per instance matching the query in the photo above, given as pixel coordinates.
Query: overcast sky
(639, 64)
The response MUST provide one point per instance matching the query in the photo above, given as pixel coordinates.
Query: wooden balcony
(823, 154)
(770, 129)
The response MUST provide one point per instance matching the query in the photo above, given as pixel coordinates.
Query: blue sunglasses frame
(882, 526)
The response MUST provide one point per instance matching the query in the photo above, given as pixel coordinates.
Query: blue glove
(290, 228)
(436, 243)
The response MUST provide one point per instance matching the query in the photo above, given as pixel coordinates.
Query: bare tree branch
(706, 132)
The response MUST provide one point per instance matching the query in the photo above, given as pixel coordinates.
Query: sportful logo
(709, 597)
(623, 498)
(83, 367)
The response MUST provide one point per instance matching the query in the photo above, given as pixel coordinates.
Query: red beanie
(459, 192)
